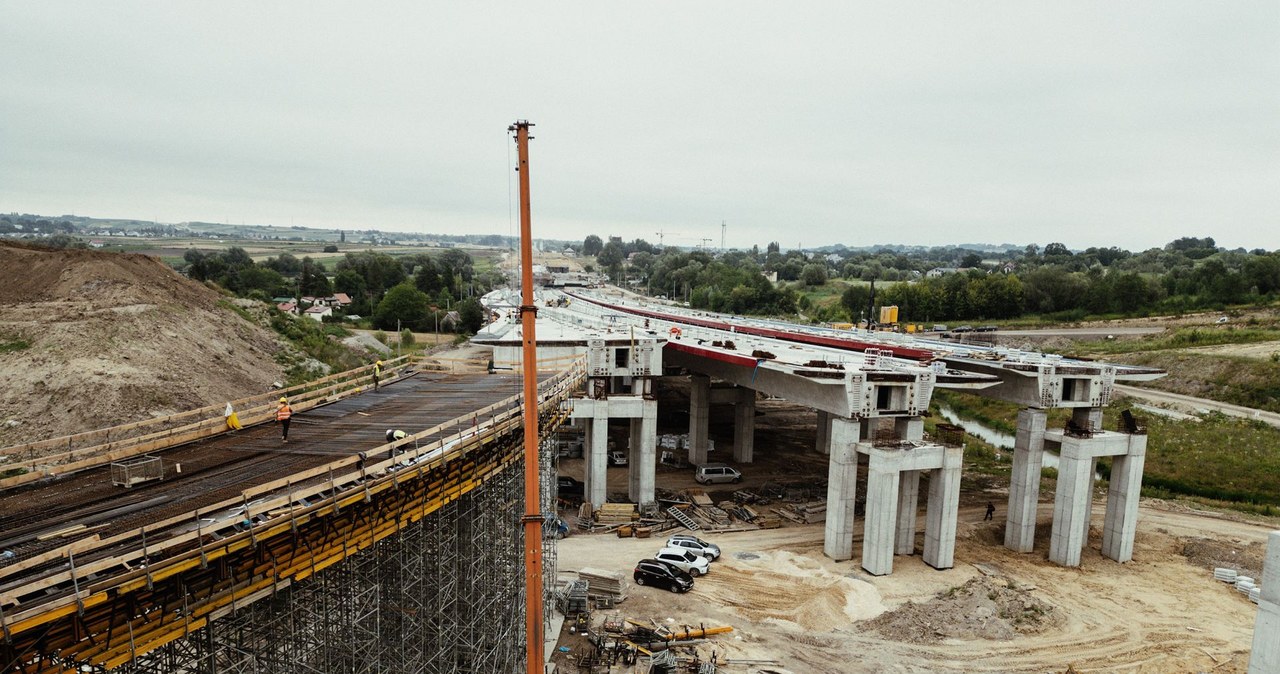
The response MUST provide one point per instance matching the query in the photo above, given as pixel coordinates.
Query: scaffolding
(440, 596)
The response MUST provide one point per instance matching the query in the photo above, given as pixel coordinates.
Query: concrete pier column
(646, 463)
(823, 442)
(943, 510)
(1024, 482)
(699, 417)
(908, 428)
(904, 541)
(633, 460)
(1121, 522)
(1087, 417)
(744, 426)
(881, 520)
(596, 455)
(1071, 504)
(842, 490)
(1265, 658)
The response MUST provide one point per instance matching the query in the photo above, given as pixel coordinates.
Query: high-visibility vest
(284, 412)
(377, 370)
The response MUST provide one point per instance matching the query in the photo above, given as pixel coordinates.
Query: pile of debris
(650, 647)
(604, 588)
(695, 510)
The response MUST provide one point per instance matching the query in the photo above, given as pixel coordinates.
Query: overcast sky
(1093, 124)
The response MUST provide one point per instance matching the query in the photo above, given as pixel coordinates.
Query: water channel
(1003, 442)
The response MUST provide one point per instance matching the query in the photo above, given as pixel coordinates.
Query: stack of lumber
(804, 513)
(616, 513)
(611, 584)
(699, 497)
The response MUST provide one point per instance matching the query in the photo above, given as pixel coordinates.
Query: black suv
(661, 574)
(569, 488)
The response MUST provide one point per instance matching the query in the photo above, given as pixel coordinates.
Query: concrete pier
(642, 448)
(699, 417)
(842, 489)
(943, 510)
(1073, 500)
(1265, 658)
(1024, 481)
(880, 526)
(889, 506)
(908, 505)
(744, 426)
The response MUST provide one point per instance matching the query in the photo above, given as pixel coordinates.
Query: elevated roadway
(97, 576)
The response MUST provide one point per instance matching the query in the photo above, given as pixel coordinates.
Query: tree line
(409, 291)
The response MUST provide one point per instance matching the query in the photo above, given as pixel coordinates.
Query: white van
(710, 473)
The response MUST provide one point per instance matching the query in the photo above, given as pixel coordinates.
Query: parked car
(691, 563)
(660, 574)
(711, 473)
(617, 457)
(570, 487)
(964, 328)
(695, 545)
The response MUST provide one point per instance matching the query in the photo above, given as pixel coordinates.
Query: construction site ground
(995, 611)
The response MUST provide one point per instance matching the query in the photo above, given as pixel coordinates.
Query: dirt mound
(1208, 553)
(983, 608)
(89, 339)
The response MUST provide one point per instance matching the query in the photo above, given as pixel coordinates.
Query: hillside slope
(89, 339)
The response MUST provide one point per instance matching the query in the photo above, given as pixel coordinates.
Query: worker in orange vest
(283, 413)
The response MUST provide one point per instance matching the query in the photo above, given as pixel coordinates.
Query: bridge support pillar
(943, 510)
(699, 417)
(1072, 504)
(1265, 657)
(642, 459)
(842, 489)
(744, 426)
(1024, 481)
(892, 496)
(823, 443)
(597, 455)
(908, 504)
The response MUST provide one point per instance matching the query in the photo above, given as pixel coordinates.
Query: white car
(693, 564)
(695, 545)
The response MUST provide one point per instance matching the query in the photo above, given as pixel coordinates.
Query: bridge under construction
(336, 552)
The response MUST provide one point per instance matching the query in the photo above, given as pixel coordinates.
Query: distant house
(834, 258)
(451, 321)
(96, 243)
(289, 307)
(771, 275)
(341, 300)
(319, 311)
(308, 301)
(940, 271)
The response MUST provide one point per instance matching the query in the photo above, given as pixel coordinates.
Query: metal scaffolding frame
(441, 596)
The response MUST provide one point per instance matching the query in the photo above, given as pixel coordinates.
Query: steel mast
(534, 656)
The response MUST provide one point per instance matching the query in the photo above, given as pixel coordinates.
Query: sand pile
(983, 608)
(89, 339)
(784, 586)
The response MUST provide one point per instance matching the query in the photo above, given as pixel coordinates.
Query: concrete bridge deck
(246, 517)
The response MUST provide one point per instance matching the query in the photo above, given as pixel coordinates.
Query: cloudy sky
(809, 123)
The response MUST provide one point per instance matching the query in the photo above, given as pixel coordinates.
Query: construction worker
(991, 511)
(283, 413)
(392, 436)
(377, 372)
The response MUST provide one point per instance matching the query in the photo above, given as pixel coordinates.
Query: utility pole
(723, 225)
(534, 656)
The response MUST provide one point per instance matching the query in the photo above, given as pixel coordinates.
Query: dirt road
(787, 602)
(1198, 405)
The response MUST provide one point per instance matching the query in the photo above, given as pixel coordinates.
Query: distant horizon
(605, 237)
